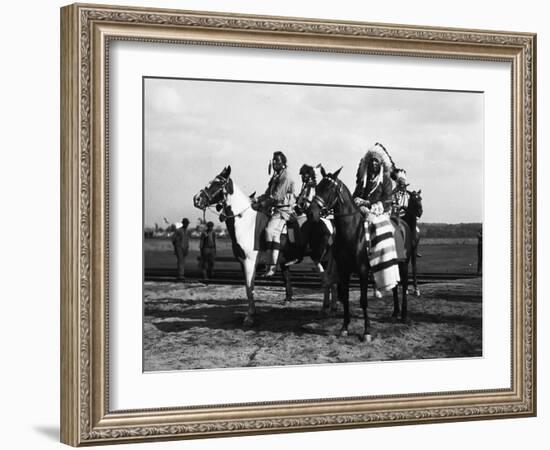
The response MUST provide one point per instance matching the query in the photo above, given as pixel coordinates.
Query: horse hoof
(343, 333)
(365, 338)
(248, 321)
(377, 293)
(323, 312)
(393, 318)
(417, 292)
(286, 301)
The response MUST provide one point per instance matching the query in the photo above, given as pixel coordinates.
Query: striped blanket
(382, 253)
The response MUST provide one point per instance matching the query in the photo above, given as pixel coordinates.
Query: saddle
(263, 205)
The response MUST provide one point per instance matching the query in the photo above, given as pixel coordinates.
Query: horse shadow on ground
(456, 297)
(299, 320)
(421, 317)
(474, 321)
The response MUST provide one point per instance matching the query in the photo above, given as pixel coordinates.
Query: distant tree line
(449, 230)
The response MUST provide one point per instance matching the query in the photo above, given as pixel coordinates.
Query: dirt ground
(192, 326)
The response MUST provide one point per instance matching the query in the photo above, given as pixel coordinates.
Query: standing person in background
(180, 241)
(207, 248)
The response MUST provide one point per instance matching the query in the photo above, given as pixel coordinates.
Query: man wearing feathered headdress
(373, 196)
(373, 190)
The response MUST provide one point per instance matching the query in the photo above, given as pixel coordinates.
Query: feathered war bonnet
(378, 152)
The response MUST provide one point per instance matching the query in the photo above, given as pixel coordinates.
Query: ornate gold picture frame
(87, 31)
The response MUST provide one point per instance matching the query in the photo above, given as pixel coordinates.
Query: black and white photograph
(299, 224)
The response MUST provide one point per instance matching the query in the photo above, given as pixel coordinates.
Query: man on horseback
(400, 195)
(373, 196)
(280, 197)
(310, 236)
(303, 201)
(373, 190)
(401, 198)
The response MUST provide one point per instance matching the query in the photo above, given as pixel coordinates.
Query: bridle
(222, 204)
(223, 183)
(326, 208)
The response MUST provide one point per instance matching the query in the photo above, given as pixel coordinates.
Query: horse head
(327, 193)
(215, 192)
(415, 203)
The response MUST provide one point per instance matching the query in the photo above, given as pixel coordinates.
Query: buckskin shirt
(281, 189)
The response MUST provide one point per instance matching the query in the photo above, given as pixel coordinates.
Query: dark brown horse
(350, 252)
(412, 212)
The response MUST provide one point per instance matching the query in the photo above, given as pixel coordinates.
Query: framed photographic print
(276, 224)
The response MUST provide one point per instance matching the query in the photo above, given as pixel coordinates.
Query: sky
(194, 128)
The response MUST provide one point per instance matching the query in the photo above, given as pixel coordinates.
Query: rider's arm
(358, 191)
(387, 197)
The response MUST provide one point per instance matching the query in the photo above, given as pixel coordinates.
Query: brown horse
(412, 212)
(350, 251)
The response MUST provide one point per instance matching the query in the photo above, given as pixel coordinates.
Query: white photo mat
(130, 388)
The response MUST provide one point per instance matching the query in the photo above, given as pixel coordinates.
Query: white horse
(242, 222)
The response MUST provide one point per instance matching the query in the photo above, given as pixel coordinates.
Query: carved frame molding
(86, 32)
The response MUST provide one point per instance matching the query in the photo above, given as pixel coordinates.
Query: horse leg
(416, 291)
(396, 308)
(285, 272)
(326, 301)
(343, 295)
(334, 297)
(364, 280)
(332, 280)
(327, 288)
(404, 275)
(249, 267)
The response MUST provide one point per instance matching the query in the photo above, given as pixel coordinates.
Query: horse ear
(229, 187)
(225, 172)
(419, 191)
(323, 172)
(335, 174)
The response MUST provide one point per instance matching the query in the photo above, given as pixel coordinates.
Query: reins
(322, 204)
(222, 203)
(224, 206)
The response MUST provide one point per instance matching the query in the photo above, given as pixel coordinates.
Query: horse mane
(346, 191)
